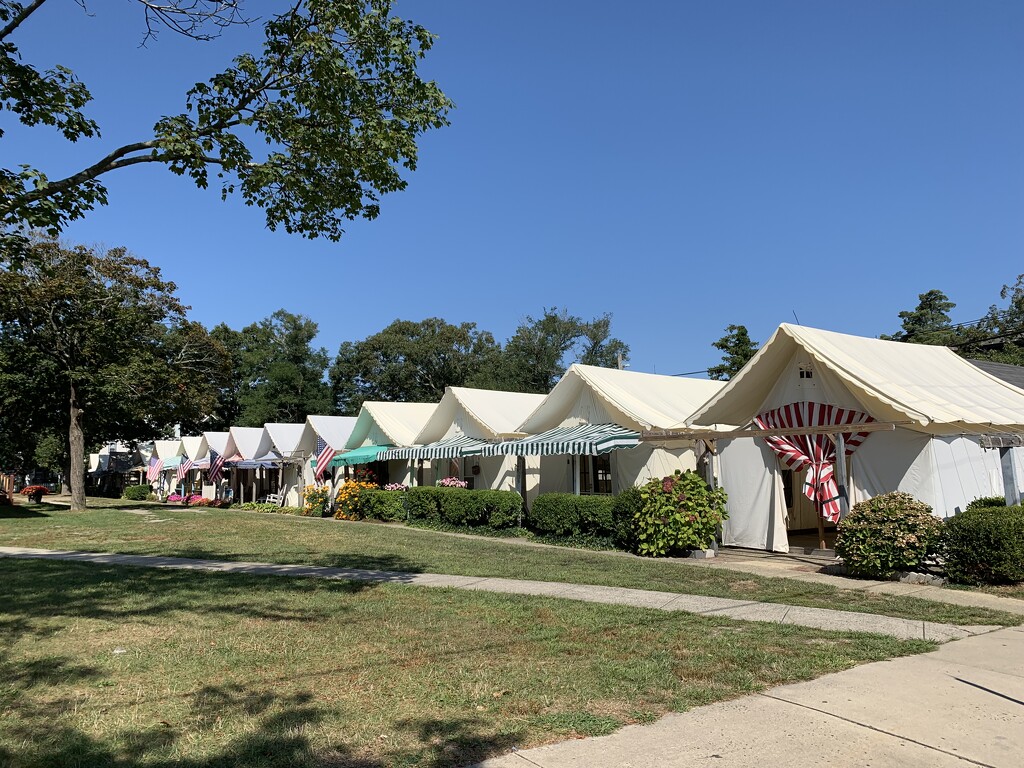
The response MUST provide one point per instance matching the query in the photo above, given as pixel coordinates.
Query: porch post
(1010, 486)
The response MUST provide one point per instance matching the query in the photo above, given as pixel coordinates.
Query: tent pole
(821, 525)
(840, 470)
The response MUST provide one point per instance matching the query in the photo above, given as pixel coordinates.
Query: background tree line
(95, 345)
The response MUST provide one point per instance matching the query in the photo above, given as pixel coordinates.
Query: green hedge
(986, 502)
(985, 545)
(624, 511)
(382, 505)
(459, 506)
(136, 492)
(566, 514)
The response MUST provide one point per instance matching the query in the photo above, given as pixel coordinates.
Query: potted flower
(35, 492)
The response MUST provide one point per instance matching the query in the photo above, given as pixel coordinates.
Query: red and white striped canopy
(816, 452)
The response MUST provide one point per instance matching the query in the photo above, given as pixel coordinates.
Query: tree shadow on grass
(36, 591)
(280, 738)
(19, 511)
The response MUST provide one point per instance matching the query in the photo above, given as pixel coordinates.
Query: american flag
(324, 454)
(184, 468)
(216, 466)
(156, 466)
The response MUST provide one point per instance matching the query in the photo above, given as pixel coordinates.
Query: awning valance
(450, 448)
(362, 455)
(583, 440)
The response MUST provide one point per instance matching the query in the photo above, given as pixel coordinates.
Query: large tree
(737, 348)
(542, 348)
(313, 128)
(96, 345)
(277, 375)
(929, 322)
(409, 362)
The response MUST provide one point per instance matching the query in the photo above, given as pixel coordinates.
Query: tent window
(806, 372)
(596, 474)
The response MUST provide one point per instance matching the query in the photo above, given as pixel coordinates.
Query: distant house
(934, 405)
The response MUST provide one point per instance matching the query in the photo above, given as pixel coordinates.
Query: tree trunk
(76, 440)
(65, 480)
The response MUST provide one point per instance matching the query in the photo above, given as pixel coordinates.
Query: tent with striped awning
(380, 427)
(586, 431)
(450, 448)
(460, 426)
(936, 404)
(584, 439)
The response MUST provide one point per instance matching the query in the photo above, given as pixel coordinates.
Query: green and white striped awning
(362, 455)
(450, 448)
(582, 440)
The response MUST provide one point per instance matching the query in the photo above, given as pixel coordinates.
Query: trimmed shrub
(986, 502)
(136, 492)
(887, 534)
(423, 503)
(566, 514)
(503, 508)
(680, 513)
(985, 545)
(625, 508)
(462, 507)
(382, 505)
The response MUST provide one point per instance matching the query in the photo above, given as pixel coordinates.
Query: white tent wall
(556, 475)
(292, 484)
(966, 472)
(822, 386)
(900, 460)
(635, 466)
(748, 471)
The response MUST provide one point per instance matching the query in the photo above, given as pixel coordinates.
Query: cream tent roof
(195, 446)
(380, 423)
(482, 413)
(221, 442)
(287, 439)
(166, 449)
(335, 430)
(932, 387)
(252, 442)
(634, 400)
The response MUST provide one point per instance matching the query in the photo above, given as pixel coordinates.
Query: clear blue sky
(682, 165)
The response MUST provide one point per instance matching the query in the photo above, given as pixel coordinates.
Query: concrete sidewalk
(959, 706)
(807, 568)
(746, 610)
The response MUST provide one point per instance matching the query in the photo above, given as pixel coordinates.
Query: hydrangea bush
(678, 513)
(887, 534)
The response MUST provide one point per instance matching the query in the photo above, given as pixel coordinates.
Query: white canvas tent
(463, 422)
(939, 403)
(223, 444)
(379, 427)
(291, 443)
(256, 466)
(333, 430)
(586, 430)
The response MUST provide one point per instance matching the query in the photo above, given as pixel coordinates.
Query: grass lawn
(237, 535)
(114, 667)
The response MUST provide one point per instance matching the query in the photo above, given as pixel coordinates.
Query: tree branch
(19, 17)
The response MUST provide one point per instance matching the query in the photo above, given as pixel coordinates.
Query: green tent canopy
(363, 455)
